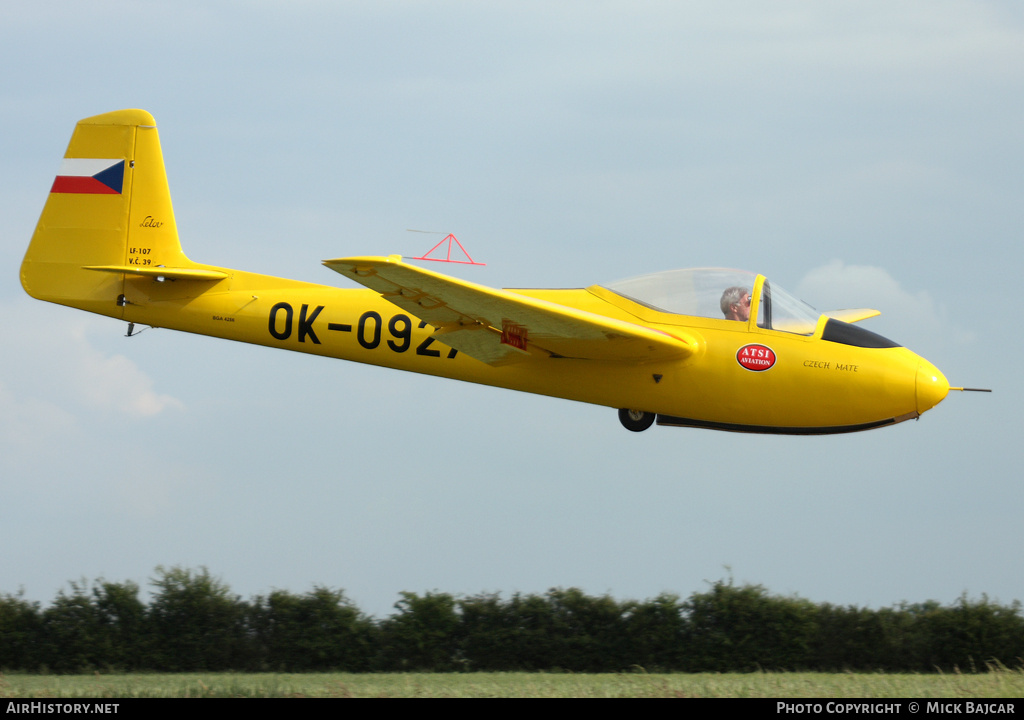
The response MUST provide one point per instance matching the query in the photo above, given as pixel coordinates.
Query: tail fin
(108, 213)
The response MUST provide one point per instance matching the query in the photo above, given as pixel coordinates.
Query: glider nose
(932, 386)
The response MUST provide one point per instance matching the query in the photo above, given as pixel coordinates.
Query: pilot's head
(736, 303)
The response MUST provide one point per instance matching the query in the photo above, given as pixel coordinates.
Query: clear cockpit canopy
(694, 291)
(702, 292)
(781, 311)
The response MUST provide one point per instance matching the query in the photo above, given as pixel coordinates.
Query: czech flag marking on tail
(89, 176)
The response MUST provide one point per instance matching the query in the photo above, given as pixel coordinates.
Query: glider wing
(501, 326)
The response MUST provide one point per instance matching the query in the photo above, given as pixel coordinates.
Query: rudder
(109, 211)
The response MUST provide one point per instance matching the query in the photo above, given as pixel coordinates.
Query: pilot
(736, 304)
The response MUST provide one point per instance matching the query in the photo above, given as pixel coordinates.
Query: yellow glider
(655, 347)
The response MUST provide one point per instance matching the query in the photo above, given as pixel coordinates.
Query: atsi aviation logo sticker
(756, 357)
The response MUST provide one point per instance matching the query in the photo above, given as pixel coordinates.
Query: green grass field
(999, 684)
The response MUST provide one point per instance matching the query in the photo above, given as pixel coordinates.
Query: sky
(859, 154)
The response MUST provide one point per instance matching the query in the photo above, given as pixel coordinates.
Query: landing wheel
(636, 420)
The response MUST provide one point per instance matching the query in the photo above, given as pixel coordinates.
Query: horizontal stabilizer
(161, 272)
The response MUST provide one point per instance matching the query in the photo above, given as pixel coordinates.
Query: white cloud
(114, 382)
(56, 375)
(913, 318)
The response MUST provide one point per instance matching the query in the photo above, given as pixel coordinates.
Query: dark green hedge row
(193, 622)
